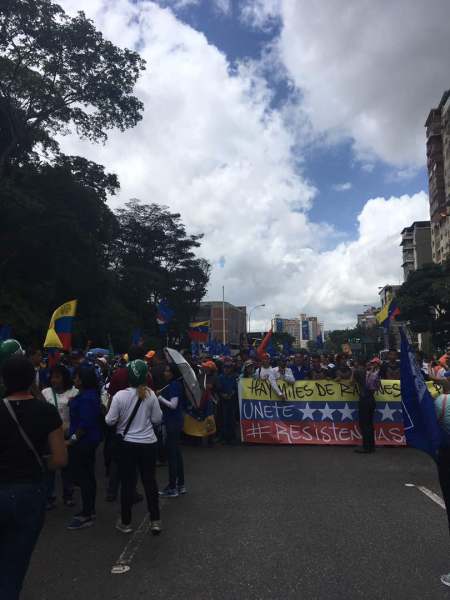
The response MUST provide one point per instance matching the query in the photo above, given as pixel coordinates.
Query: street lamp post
(250, 313)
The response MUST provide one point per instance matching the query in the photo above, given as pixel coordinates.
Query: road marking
(431, 495)
(123, 563)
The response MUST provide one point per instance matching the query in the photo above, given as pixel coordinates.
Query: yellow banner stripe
(321, 391)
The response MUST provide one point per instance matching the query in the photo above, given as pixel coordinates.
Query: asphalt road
(264, 522)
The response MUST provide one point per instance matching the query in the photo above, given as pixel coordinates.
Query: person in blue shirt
(227, 390)
(171, 401)
(84, 438)
(300, 368)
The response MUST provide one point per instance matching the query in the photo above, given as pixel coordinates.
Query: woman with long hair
(134, 411)
(84, 438)
(59, 394)
(29, 428)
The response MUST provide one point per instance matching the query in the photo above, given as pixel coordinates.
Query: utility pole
(223, 316)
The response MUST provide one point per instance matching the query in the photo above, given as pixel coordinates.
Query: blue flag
(419, 415)
(164, 315)
(5, 332)
(136, 337)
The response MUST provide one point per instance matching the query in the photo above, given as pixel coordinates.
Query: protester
(391, 368)
(300, 369)
(317, 371)
(367, 381)
(60, 393)
(266, 373)
(84, 438)
(227, 391)
(342, 371)
(170, 398)
(444, 360)
(283, 372)
(29, 428)
(248, 369)
(207, 376)
(119, 381)
(134, 411)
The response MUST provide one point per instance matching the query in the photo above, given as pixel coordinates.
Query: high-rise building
(416, 247)
(235, 321)
(302, 328)
(368, 318)
(438, 164)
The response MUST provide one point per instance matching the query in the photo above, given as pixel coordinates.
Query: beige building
(438, 164)
(416, 247)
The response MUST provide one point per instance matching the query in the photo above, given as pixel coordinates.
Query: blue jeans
(22, 511)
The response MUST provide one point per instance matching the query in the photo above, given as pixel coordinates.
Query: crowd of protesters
(56, 413)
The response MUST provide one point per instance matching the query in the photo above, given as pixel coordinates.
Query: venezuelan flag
(389, 312)
(59, 334)
(199, 331)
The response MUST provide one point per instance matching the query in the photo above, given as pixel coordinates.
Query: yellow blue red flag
(59, 334)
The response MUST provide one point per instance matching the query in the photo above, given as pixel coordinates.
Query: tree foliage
(58, 238)
(58, 72)
(424, 301)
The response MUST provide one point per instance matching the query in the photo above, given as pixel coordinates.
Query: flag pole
(223, 315)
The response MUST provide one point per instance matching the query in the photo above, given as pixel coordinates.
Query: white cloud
(210, 147)
(342, 187)
(261, 14)
(222, 6)
(369, 70)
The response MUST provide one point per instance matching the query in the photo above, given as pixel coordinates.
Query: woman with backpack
(134, 411)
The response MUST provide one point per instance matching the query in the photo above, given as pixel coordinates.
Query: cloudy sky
(289, 132)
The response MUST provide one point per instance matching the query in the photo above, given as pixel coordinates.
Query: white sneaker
(445, 579)
(123, 528)
(156, 527)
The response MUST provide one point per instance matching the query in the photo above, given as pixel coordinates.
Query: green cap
(8, 348)
(137, 373)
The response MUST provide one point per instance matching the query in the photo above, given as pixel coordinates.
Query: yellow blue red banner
(317, 412)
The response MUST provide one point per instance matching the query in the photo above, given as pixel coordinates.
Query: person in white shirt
(134, 411)
(60, 393)
(266, 373)
(283, 372)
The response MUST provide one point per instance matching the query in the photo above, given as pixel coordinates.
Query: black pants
(228, 416)
(143, 458)
(22, 511)
(82, 470)
(175, 458)
(366, 407)
(443, 465)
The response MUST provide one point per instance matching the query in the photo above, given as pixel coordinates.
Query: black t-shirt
(37, 418)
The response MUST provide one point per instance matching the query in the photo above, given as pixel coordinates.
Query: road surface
(263, 523)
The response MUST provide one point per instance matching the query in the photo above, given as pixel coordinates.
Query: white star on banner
(327, 412)
(386, 413)
(308, 412)
(346, 412)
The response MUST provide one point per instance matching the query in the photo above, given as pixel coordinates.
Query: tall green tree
(58, 73)
(153, 258)
(424, 301)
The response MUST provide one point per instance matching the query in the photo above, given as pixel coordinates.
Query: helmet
(8, 348)
(137, 373)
